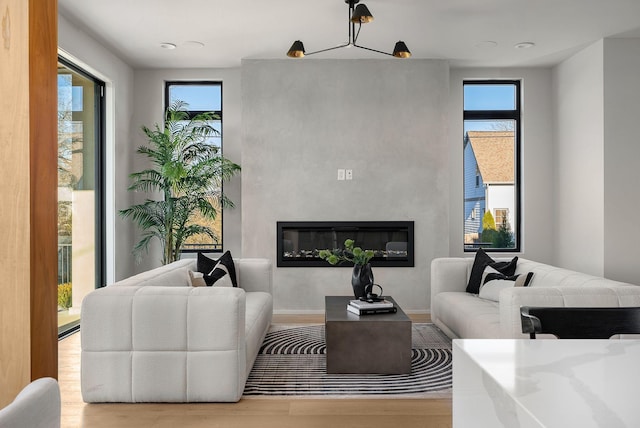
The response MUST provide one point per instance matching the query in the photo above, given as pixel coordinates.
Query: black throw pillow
(483, 260)
(205, 264)
(213, 270)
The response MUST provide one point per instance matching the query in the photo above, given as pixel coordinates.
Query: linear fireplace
(298, 242)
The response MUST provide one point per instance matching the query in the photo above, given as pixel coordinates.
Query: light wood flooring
(253, 412)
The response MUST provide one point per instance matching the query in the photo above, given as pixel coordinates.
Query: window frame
(516, 116)
(214, 248)
(192, 113)
(100, 234)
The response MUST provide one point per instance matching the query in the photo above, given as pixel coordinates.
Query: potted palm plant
(187, 171)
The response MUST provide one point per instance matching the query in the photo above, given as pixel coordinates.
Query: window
(491, 158)
(80, 192)
(501, 216)
(202, 97)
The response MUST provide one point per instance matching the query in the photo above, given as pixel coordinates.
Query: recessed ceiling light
(524, 45)
(193, 44)
(486, 44)
(166, 45)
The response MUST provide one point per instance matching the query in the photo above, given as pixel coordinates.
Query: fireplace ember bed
(298, 243)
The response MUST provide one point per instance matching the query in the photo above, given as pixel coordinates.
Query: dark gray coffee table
(378, 343)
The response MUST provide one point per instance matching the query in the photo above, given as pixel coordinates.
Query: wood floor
(253, 412)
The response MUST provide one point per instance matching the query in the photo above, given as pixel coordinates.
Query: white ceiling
(448, 29)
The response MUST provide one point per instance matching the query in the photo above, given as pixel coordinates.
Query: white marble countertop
(558, 383)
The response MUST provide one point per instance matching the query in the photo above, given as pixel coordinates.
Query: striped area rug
(292, 362)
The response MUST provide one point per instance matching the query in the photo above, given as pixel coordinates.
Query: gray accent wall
(384, 119)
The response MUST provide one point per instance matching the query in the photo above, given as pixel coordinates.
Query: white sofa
(154, 338)
(463, 315)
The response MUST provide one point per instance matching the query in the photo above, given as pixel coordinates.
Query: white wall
(596, 94)
(501, 196)
(621, 203)
(149, 88)
(537, 158)
(386, 120)
(579, 213)
(136, 98)
(76, 45)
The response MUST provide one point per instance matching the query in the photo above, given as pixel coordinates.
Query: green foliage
(355, 255)
(488, 235)
(188, 173)
(488, 227)
(64, 295)
(487, 221)
(503, 238)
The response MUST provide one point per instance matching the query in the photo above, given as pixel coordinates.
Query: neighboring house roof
(494, 152)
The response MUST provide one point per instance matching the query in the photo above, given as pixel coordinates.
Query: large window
(80, 202)
(202, 97)
(491, 144)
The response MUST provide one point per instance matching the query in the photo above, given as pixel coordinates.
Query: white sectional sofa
(154, 338)
(463, 315)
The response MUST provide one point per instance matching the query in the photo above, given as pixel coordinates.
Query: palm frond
(188, 171)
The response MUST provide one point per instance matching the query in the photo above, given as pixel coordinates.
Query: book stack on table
(361, 307)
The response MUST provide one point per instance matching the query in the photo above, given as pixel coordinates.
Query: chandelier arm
(373, 50)
(351, 25)
(355, 36)
(344, 45)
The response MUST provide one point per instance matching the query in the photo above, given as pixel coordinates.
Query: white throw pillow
(197, 279)
(493, 282)
(491, 290)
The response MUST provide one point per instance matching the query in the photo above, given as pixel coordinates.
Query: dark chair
(580, 323)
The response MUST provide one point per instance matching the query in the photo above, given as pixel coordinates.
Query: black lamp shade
(401, 50)
(296, 50)
(361, 14)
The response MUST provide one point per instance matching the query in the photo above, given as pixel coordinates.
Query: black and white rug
(292, 362)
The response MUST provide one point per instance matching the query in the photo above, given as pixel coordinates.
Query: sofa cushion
(467, 316)
(259, 310)
(481, 261)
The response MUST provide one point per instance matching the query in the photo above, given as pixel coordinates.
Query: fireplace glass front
(298, 243)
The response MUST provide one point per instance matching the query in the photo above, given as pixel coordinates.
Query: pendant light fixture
(359, 15)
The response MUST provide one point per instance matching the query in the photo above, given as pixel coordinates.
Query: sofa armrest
(36, 406)
(170, 275)
(511, 299)
(449, 274)
(254, 274)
